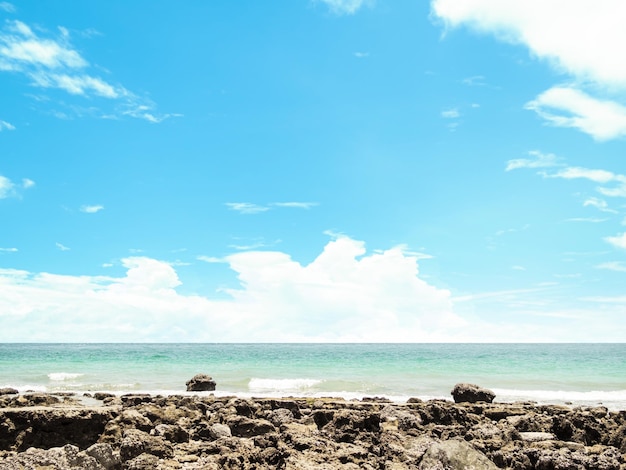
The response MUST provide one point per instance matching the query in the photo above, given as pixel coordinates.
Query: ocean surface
(580, 374)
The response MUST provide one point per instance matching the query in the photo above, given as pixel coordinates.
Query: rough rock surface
(200, 383)
(205, 432)
(471, 393)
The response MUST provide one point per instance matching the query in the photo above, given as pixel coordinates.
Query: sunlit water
(581, 374)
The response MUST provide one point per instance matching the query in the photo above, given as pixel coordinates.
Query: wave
(63, 376)
(594, 396)
(282, 385)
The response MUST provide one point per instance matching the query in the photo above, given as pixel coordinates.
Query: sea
(571, 374)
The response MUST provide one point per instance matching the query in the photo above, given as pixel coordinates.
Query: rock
(219, 430)
(471, 393)
(536, 436)
(135, 443)
(8, 391)
(200, 383)
(455, 455)
(68, 457)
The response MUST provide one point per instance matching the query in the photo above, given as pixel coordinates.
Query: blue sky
(313, 170)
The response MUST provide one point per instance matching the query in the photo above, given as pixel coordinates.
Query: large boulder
(200, 383)
(471, 393)
(455, 455)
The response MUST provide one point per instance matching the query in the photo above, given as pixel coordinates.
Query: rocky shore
(105, 432)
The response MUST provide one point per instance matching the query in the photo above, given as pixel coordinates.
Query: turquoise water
(548, 373)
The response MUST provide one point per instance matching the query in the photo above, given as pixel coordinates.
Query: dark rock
(471, 393)
(135, 442)
(200, 383)
(8, 391)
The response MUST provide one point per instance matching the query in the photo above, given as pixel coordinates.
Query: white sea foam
(281, 385)
(615, 399)
(63, 376)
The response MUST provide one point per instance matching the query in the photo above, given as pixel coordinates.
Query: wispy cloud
(8, 7)
(6, 126)
(8, 250)
(250, 208)
(452, 113)
(61, 247)
(613, 266)
(361, 55)
(569, 107)
(345, 7)
(597, 176)
(295, 205)
(599, 204)
(539, 160)
(476, 80)
(591, 220)
(246, 207)
(211, 259)
(9, 189)
(618, 241)
(91, 209)
(50, 62)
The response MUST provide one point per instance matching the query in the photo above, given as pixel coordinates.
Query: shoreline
(202, 430)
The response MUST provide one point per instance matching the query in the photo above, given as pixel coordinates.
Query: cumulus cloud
(569, 107)
(539, 160)
(618, 241)
(50, 61)
(552, 32)
(345, 294)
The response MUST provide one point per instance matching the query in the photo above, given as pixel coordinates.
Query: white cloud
(540, 160)
(246, 207)
(552, 31)
(8, 7)
(9, 189)
(6, 187)
(569, 107)
(6, 126)
(91, 209)
(296, 205)
(618, 241)
(452, 113)
(51, 62)
(613, 266)
(599, 204)
(597, 176)
(345, 294)
(8, 250)
(211, 259)
(344, 7)
(61, 247)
